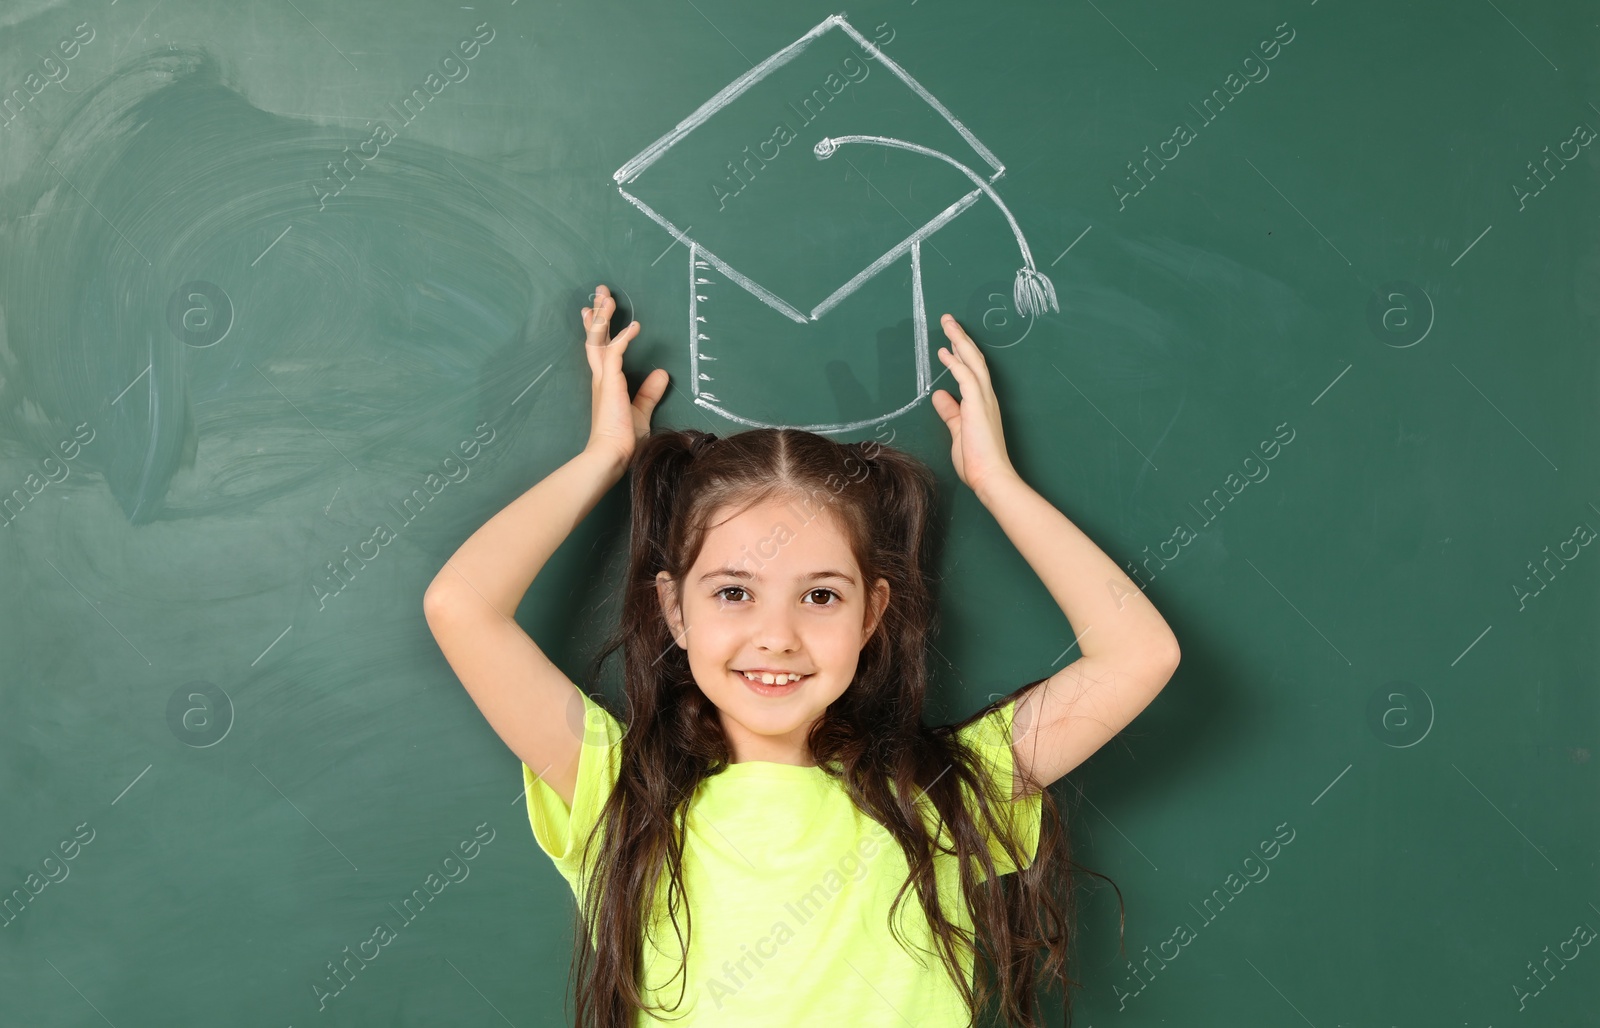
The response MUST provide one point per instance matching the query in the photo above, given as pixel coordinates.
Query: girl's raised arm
(1129, 652)
(471, 603)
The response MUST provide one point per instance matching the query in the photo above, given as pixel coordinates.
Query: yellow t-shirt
(789, 886)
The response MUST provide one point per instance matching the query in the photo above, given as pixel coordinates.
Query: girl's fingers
(953, 330)
(961, 343)
(599, 323)
(604, 306)
(947, 408)
(650, 392)
(968, 354)
(605, 357)
(964, 375)
(595, 327)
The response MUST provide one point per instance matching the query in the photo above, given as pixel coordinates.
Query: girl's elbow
(436, 600)
(1168, 658)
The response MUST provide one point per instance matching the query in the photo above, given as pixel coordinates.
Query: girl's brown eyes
(810, 592)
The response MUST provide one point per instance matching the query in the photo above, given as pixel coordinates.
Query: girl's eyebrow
(730, 572)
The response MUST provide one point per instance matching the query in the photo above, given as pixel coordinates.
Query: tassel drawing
(1033, 292)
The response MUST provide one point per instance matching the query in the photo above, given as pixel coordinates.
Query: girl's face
(773, 590)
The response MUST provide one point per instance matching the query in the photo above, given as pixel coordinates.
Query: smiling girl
(766, 833)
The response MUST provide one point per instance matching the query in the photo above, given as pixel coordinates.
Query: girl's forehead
(772, 531)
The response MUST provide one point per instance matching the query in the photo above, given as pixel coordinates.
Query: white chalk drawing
(1032, 294)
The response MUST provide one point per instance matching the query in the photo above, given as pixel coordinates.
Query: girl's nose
(777, 633)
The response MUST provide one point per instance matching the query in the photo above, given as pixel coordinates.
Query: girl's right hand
(616, 425)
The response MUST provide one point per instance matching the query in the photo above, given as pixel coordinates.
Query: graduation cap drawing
(764, 185)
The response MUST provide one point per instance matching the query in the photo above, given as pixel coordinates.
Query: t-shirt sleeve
(561, 831)
(990, 736)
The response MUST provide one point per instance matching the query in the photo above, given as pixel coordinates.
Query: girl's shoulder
(989, 723)
(988, 732)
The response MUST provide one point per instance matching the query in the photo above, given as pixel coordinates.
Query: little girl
(768, 834)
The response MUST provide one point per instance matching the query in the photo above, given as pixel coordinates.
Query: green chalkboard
(1290, 306)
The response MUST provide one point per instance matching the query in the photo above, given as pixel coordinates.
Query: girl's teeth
(770, 679)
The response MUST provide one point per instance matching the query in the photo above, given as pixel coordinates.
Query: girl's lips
(763, 689)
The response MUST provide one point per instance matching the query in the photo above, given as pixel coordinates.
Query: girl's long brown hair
(872, 739)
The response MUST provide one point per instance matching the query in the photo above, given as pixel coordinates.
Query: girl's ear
(667, 594)
(877, 603)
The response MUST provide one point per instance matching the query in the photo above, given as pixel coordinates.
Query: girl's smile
(769, 684)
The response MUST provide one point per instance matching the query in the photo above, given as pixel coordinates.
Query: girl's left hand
(977, 444)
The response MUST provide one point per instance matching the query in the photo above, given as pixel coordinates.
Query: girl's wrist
(997, 485)
(606, 460)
